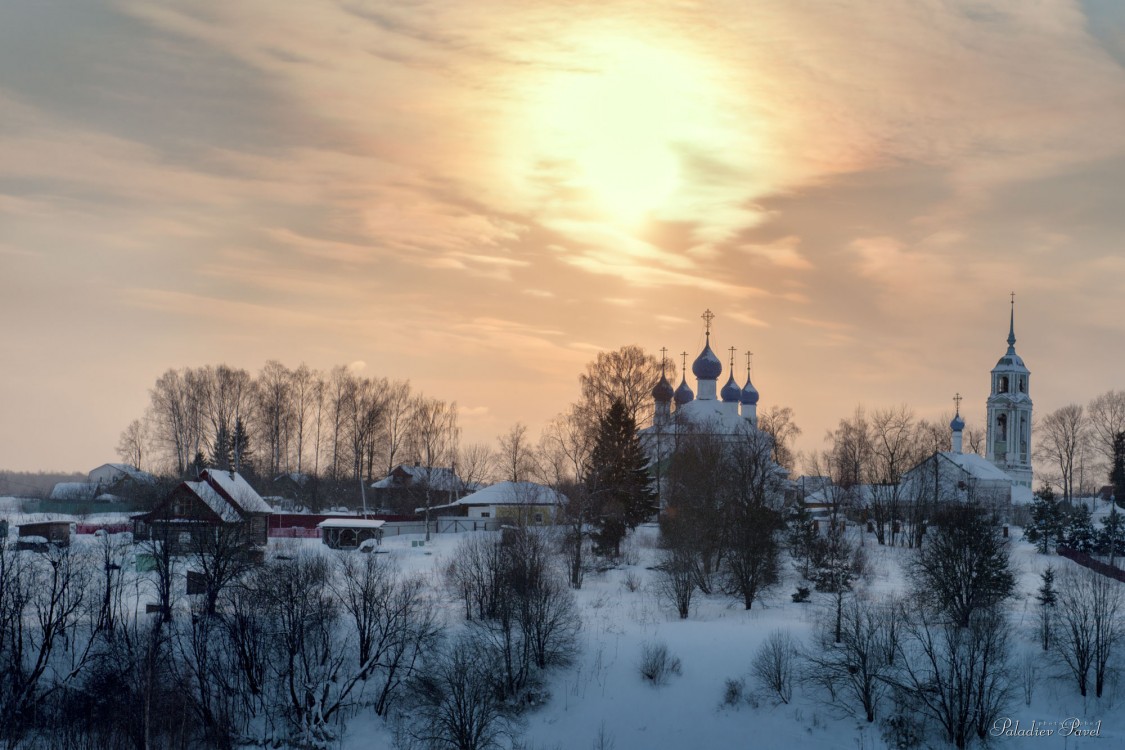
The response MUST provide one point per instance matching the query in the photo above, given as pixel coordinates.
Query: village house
(196, 512)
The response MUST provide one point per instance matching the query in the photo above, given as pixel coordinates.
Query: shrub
(657, 664)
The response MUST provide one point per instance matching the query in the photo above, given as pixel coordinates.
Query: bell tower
(1009, 412)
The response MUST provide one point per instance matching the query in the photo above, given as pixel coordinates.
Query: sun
(621, 122)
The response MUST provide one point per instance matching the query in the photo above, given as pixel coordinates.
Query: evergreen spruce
(1047, 597)
(1079, 534)
(241, 455)
(221, 450)
(1047, 521)
(617, 480)
(1111, 536)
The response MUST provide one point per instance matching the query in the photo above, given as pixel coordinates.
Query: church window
(1023, 385)
(1003, 387)
(1002, 427)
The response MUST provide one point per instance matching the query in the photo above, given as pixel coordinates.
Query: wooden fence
(1092, 563)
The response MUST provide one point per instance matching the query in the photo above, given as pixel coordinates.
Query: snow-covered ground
(603, 694)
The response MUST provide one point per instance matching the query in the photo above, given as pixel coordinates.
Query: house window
(485, 514)
(538, 518)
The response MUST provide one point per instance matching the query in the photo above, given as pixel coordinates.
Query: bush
(657, 664)
(632, 581)
(801, 595)
(734, 692)
(773, 665)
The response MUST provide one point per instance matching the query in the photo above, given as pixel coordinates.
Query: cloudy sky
(479, 196)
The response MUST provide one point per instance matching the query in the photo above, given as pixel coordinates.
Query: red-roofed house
(219, 500)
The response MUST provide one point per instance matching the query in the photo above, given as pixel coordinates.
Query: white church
(730, 413)
(1003, 475)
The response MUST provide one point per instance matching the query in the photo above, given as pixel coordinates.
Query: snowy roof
(860, 494)
(216, 502)
(127, 470)
(74, 491)
(349, 523)
(513, 493)
(237, 490)
(708, 413)
(977, 467)
(1022, 495)
(436, 477)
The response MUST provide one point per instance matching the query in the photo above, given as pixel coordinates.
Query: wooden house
(221, 505)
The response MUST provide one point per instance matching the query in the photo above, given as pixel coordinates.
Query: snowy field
(603, 699)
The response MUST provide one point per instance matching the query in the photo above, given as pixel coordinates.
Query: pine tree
(1046, 521)
(241, 455)
(1079, 534)
(802, 535)
(617, 480)
(1117, 473)
(1111, 536)
(221, 450)
(1047, 597)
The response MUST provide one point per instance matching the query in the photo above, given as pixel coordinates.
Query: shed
(349, 533)
(35, 535)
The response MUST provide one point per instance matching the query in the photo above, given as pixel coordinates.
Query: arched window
(1003, 386)
(1002, 427)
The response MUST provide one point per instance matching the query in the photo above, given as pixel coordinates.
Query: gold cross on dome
(708, 316)
(684, 355)
(957, 400)
(732, 351)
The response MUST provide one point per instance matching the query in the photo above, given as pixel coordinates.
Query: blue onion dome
(731, 391)
(663, 390)
(749, 393)
(958, 424)
(707, 366)
(684, 393)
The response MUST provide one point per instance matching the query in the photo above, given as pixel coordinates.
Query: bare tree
(303, 388)
(133, 445)
(855, 668)
(774, 664)
(1089, 626)
(177, 400)
(626, 374)
(1106, 414)
(399, 415)
(957, 676)
(457, 706)
(475, 464)
(516, 460)
(1062, 442)
(676, 580)
(275, 412)
(894, 452)
(395, 622)
(777, 422)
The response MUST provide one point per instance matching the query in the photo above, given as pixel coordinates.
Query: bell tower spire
(1008, 443)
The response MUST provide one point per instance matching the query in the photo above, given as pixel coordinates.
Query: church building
(730, 413)
(1008, 444)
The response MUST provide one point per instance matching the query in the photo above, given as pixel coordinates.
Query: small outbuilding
(39, 535)
(349, 533)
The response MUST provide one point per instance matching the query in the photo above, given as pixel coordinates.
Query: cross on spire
(1012, 328)
(957, 400)
(708, 316)
(732, 351)
(663, 358)
(684, 355)
(749, 357)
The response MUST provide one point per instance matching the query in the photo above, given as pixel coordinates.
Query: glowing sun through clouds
(617, 122)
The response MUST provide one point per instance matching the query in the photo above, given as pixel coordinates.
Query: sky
(481, 196)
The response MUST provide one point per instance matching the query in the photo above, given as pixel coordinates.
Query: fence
(293, 532)
(1093, 564)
